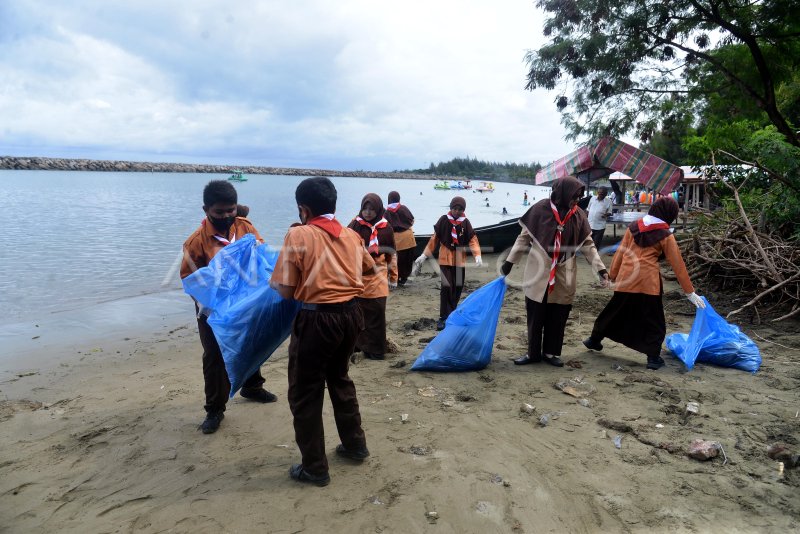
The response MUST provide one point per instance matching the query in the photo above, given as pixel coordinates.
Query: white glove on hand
(478, 261)
(695, 299)
(418, 264)
(392, 285)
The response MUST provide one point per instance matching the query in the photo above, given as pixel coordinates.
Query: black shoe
(354, 454)
(591, 344)
(655, 362)
(374, 356)
(440, 324)
(301, 475)
(211, 424)
(258, 395)
(555, 361)
(525, 360)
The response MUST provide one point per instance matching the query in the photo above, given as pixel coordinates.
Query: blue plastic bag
(249, 319)
(713, 340)
(466, 342)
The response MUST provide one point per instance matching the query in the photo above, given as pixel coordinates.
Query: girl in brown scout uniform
(553, 230)
(321, 264)
(402, 220)
(453, 233)
(635, 314)
(378, 238)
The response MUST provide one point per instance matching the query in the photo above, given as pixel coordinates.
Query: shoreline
(22, 163)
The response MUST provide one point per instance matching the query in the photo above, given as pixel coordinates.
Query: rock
(701, 449)
(781, 452)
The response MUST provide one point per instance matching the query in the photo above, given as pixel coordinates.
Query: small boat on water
(485, 187)
(458, 184)
(237, 176)
(442, 185)
(494, 238)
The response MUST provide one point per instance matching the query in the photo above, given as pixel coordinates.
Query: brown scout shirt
(201, 246)
(322, 269)
(448, 256)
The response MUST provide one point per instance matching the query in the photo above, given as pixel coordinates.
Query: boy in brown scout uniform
(321, 264)
(220, 228)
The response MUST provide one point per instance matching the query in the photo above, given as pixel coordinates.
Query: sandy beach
(106, 438)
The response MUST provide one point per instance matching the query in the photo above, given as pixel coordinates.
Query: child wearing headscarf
(635, 314)
(402, 220)
(454, 234)
(378, 237)
(553, 230)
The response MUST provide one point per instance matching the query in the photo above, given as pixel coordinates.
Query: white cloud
(348, 84)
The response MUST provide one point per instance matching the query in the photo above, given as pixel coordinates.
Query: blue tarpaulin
(713, 340)
(466, 342)
(249, 318)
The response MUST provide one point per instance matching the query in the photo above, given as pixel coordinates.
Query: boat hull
(492, 238)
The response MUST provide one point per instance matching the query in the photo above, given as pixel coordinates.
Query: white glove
(418, 264)
(392, 285)
(695, 299)
(478, 261)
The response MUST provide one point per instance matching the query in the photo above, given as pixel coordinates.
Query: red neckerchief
(455, 222)
(328, 223)
(393, 207)
(372, 248)
(557, 245)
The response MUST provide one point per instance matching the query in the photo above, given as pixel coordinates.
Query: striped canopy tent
(601, 158)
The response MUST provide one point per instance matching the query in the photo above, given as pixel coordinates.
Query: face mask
(223, 224)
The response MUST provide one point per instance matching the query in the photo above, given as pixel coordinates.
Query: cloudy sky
(345, 84)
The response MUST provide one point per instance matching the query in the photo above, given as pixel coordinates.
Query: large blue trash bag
(466, 342)
(713, 340)
(249, 318)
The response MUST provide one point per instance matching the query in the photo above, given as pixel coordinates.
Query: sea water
(87, 245)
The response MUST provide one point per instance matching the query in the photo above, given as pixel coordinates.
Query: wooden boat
(237, 176)
(492, 238)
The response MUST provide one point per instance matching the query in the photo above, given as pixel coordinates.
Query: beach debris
(398, 384)
(575, 364)
(426, 339)
(485, 378)
(586, 403)
(391, 346)
(398, 364)
(432, 516)
(781, 452)
(496, 479)
(693, 408)
(576, 387)
(618, 441)
(375, 500)
(463, 396)
(659, 425)
(527, 408)
(404, 417)
(701, 449)
(427, 391)
(619, 426)
(618, 367)
(780, 469)
(419, 450)
(544, 420)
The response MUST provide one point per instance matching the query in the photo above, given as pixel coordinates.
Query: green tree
(630, 66)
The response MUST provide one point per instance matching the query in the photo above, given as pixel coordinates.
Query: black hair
(318, 194)
(219, 191)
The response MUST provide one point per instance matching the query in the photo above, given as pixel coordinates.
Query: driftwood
(731, 254)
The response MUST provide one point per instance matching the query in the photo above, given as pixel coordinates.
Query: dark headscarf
(385, 235)
(664, 208)
(401, 219)
(540, 222)
(443, 227)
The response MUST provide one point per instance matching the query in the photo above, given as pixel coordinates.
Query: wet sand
(106, 439)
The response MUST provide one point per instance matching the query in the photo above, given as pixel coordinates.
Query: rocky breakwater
(63, 164)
